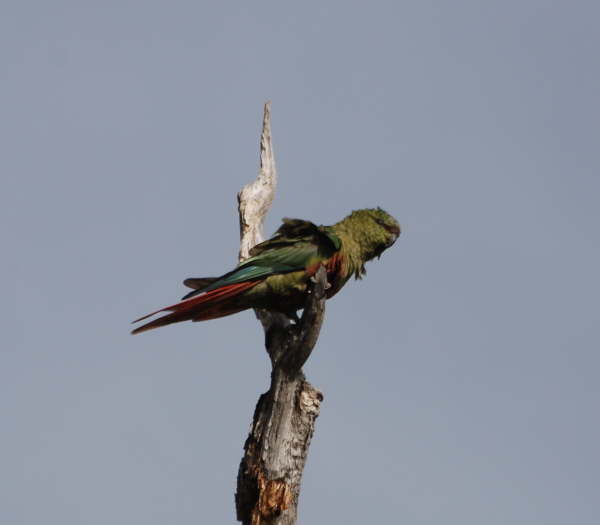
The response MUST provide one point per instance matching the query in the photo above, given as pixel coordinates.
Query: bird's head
(377, 230)
(383, 230)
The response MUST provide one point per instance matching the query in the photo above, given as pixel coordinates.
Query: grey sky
(460, 377)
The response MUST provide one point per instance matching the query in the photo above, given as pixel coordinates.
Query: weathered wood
(254, 201)
(275, 451)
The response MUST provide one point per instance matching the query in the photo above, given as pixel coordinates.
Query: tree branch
(275, 451)
(254, 201)
(298, 341)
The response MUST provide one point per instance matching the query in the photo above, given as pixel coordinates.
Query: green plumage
(276, 275)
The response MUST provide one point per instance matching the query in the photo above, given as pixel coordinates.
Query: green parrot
(276, 275)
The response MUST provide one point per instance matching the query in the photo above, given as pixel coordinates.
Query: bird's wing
(295, 230)
(296, 245)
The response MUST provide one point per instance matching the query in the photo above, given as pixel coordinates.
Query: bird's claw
(314, 280)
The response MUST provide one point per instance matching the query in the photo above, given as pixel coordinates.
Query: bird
(277, 274)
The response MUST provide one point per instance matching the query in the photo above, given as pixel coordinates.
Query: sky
(460, 377)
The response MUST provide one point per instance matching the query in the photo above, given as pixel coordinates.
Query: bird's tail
(210, 305)
(197, 284)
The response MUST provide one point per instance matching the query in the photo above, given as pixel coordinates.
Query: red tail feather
(210, 305)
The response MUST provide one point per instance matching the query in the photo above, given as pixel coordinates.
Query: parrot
(277, 274)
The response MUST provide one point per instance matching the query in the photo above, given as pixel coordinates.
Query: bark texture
(268, 484)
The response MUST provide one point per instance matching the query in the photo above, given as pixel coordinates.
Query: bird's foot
(293, 316)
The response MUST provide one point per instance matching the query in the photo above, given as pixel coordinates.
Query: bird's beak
(395, 233)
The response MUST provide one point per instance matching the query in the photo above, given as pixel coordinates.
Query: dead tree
(268, 483)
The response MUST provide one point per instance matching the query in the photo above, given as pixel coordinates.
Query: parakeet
(276, 275)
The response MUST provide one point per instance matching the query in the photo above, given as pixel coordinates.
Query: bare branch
(254, 201)
(299, 341)
(268, 485)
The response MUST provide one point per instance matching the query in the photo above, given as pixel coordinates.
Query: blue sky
(460, 376)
